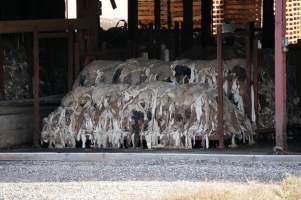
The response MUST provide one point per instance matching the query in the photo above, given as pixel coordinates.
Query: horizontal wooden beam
(53, 35)
(45, 101)
(22, 26)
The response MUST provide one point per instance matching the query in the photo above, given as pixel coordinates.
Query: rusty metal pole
(70, 58)
(248, 70)
(255, 76)
(2, 93)
(36, 90)
(260, 54)
(66, 9)
(220, 82)
(76, 56)
(280, 75)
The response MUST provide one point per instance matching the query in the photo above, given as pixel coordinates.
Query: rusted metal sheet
(293, 26)
(242, 11)
(220, 87)
(168, 12)
(280, 75)
(36, 88)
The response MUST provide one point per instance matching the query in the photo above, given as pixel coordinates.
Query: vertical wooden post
(157, 37)
(268, 23)
(280, 75)
(187, 23)
(206, 29)
(169, 20)
(177, 39)
(94, 11)
(157, 14)
(77, 55)
(89, 10)
(220, 82)
(2, 93)
(70, 58)
(82, 46)
(36, 88)
(133, 18)
(132, 25)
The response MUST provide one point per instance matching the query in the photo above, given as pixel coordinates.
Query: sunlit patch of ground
(289, 189)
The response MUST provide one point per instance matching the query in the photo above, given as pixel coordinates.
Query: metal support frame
(45, 29)
(71, 50)
(280, 75)
(37, 36)
(220, 82)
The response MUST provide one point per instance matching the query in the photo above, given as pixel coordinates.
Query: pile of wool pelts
(160, 104)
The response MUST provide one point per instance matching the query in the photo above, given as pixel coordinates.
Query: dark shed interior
(56, 49)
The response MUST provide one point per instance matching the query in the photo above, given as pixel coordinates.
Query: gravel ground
(96, 190)
(109, 176)
(165, 168)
